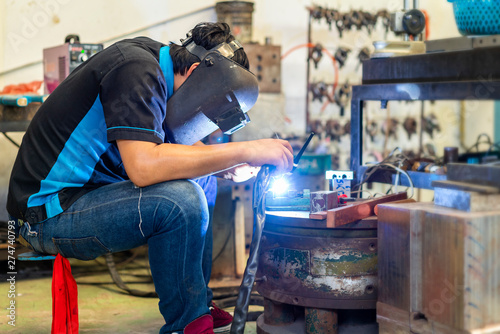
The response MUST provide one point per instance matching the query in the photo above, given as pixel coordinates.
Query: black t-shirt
(70, 146)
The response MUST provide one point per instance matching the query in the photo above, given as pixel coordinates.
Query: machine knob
(83, 57)
(414, 22)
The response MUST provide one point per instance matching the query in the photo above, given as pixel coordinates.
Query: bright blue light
(280, 186)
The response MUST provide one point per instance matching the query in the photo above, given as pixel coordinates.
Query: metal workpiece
(321, 321)
(318, 268)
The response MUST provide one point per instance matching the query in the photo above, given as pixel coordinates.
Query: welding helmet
(217, 94)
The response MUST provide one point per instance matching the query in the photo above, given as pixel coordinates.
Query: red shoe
(222, 319)
(201, 325)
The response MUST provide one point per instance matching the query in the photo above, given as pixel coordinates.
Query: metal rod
(407, 5)
(415, 4)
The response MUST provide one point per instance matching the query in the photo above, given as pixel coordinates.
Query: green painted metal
(348, 265)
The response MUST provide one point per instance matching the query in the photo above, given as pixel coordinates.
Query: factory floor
(103, 307)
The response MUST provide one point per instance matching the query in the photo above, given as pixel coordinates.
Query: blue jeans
(172, 218)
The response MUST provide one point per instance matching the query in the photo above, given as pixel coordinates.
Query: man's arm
(239, 173)
(148, 163)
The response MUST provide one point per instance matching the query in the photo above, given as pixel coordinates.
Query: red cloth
(23, 88)
(64, 298)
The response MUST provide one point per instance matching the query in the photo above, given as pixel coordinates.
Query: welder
(113, 160)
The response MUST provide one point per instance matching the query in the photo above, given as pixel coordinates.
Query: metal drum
(314, 270)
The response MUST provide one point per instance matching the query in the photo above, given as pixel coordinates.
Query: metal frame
(384, 92)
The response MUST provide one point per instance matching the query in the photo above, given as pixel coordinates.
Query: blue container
(477, 17)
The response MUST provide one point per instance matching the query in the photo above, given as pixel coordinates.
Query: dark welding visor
(217, 94)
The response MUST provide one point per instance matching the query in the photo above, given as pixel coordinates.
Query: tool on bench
(21, 100)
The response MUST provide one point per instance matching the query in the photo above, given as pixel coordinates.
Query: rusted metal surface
(344, 215)
(321, 321)
(278, 314)
(296, 327)
(319, 268)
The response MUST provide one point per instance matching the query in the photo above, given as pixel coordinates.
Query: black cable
(119, 282)
(11, 140)
(259, 205)
(478, 142)
(497, 145)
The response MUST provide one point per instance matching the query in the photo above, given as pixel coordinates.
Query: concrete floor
(103, 307)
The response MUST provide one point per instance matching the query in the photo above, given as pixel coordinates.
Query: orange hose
(427, 31)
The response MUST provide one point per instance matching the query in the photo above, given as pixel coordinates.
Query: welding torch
(302, 150)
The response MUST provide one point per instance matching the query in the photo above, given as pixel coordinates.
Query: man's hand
(276, 152)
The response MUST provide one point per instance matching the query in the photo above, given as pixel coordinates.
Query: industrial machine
(60, 61)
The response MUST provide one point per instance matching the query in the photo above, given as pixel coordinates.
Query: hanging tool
(342, 96)
(389, 128)
(363, 55)
(316, 53)
(410, 126)
(334, 130)
(371, 130)
(331, 16)
(430, 124)
(341, 55)
(318, 90)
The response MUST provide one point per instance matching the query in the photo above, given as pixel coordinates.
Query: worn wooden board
(345, 215)
(442, 263)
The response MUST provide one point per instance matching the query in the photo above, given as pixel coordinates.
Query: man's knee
(189, 200)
